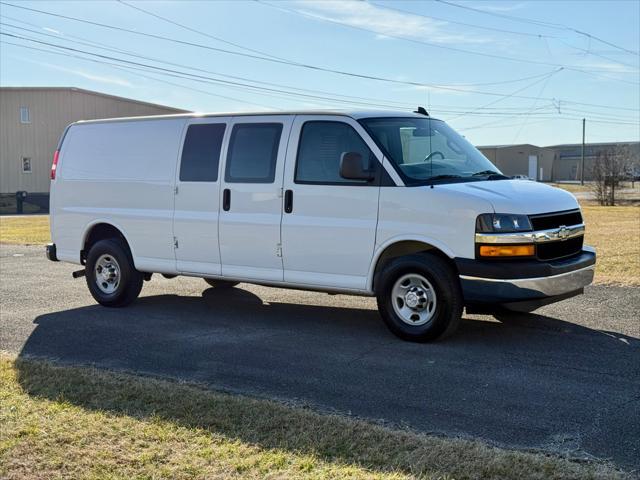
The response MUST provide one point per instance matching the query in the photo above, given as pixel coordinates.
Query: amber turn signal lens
(507, 250)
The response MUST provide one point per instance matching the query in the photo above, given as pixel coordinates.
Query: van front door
(197, 197)
(251, 197)
(329, 224)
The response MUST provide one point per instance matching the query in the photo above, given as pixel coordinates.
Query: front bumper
(495, 282)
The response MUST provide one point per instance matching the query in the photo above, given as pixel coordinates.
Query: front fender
(380, 249)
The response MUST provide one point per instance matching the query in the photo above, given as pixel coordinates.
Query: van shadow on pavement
(535, 382)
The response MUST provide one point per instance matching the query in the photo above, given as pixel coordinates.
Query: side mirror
(352, 167)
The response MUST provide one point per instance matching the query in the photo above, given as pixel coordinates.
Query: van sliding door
(197, 197)
(251, 198)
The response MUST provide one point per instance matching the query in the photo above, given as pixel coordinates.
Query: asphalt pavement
(564, 379)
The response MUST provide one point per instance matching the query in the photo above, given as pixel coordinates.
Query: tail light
(54, 165)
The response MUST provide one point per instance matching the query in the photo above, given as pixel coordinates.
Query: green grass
(84, 423)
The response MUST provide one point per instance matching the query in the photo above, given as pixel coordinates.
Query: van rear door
(251, 197)
(197, 196)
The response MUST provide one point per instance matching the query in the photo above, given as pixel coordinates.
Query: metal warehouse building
(31, 122)
(525, 159)
(569, 157)
(556, 162)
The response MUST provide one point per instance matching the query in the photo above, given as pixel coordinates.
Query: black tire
(129, 282)
(449, 303)
(220, 284)
(505, 315)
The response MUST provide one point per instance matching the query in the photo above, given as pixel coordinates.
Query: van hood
(517, 196)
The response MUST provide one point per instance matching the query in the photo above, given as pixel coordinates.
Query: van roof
(355, 114)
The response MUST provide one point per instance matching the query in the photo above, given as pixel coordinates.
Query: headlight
(502, 223)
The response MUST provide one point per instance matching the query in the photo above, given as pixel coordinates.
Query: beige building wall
(514, 160)
(50, 111)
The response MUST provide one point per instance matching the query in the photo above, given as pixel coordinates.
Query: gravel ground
(566, 379)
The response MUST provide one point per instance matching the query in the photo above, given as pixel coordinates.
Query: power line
(546, 78)
(257, 57)
(375, 78)
(429, 44)
(135, 71)
(274, 91)
(200, 32)
(201, 91)
(455, 22)
(560, 118)
(201, 78)
(103, 46)
(557, 26)
(191, 29)
(533, 106)
(591, 52)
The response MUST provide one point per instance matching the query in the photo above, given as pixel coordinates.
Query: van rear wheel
(220, 284)
(419, 297)
(111, 276)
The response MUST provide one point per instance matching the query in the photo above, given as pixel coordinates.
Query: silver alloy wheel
(414, 299)
(107, 274)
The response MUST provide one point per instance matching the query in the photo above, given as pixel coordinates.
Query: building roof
(91, 92)
(509, 146)
(573, 145)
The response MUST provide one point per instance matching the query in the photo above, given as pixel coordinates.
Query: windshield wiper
(491, 175)
(441, 177)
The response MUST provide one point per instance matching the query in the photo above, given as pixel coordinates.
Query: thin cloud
(609, 66)
(501, 8)
(386, 22)
(90, 76)
(446, 89)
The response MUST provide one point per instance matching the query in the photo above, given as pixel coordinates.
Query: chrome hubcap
(414, 299)
(107, 274)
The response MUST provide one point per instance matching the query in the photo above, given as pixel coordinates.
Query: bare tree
(610, 167)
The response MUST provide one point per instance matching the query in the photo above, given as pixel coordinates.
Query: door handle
(288, 201)
(226, 199)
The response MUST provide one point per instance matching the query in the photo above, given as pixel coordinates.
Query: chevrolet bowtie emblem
(563, 232)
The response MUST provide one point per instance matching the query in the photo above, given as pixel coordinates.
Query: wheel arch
(401, 246)
(100, 230)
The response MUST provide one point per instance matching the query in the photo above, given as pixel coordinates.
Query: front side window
(25, 115)
(253, 152)
(201, 152)
(424, 150)
(322, 144)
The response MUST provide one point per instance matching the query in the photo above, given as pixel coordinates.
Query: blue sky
(548, 77)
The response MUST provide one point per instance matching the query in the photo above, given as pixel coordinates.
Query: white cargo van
(392, 205)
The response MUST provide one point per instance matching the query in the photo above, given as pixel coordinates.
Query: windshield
(427, 150)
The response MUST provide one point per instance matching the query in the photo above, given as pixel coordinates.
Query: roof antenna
(421, 111)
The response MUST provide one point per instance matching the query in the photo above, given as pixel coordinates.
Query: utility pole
(582, 156)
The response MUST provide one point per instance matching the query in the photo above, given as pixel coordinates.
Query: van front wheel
(419, 297)
(111, 276)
